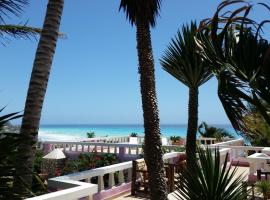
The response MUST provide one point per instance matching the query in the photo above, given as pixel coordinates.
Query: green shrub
(91, 134)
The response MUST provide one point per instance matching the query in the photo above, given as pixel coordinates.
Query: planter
(133, 140)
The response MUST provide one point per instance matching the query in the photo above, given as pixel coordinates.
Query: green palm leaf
(182, 61)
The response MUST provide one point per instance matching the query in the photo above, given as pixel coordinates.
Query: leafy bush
(91, 134)
(87, 161)
(133, 134)
(175, 138)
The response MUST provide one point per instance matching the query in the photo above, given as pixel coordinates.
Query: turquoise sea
(76, 132)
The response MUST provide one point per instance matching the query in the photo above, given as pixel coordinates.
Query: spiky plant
(209, 179)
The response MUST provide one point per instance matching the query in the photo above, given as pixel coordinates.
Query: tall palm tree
(143, 14)
(182, 61)
(36, 93)
(14, 7)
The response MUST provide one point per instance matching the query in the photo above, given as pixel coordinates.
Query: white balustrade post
(111, 180)
(100, 183)
(121, 177)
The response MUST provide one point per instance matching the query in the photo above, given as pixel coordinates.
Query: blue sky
(94, 77)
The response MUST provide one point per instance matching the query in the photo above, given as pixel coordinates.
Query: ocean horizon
(79, 131)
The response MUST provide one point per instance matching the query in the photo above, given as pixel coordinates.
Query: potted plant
(264, 188)
(177, 140)
(133, 138)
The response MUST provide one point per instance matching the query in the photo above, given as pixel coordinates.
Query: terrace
(79, 185)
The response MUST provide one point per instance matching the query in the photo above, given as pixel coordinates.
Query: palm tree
(210, 131)
(35, 95)
(14, 7)
(210, 179)
(182, 61)
(143, 14)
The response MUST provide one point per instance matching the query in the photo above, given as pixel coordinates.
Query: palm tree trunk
(153, 152)
(192, 125)
(35, 96)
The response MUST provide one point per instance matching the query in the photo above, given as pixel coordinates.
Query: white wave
(44, 136)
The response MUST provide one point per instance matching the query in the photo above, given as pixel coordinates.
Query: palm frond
(14, 7)
(141, 10)
(18, 31)
(182, 60)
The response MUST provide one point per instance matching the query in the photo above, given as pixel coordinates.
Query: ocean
(76, 132)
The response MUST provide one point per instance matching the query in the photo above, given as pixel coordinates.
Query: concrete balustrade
(73, 189)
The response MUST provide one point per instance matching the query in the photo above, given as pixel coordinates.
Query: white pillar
(111, 180)
(100, 183)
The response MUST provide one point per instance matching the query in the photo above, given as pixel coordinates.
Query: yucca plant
(209, 179)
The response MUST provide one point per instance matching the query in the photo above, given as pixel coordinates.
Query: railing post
(101, 148)
(111, 180)
(76, 147)
(129, 174)
(129, 150)
(70, 147)
(137, 150)
(100, 183)
(115, 149)
(88, 148)
(121, 177)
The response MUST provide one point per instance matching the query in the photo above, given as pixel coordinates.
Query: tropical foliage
(208, 179)
(8, 149)
(183, 62)
(143, 14)
(239, 57)
(15, 8)
(258, 130)
(264, 188)
(87, 161)
(91, 134)
(210, 131)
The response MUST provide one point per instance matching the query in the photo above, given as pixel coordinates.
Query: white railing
(117, 148)
(77, 189)
(73, 190)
